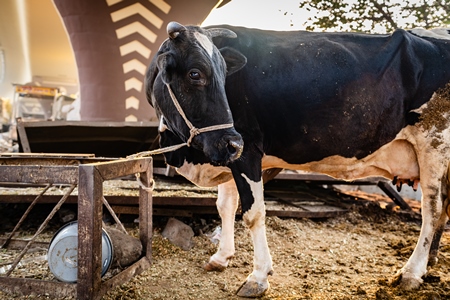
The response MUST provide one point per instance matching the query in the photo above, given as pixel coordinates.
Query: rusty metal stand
(90, 203)
(89, 175)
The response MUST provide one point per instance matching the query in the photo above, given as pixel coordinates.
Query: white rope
(157, 151)
(192, 130)
(148, 189)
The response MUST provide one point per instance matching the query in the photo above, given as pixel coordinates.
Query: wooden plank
(90, 202)
(305, 214)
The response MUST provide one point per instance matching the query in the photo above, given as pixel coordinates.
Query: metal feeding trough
(88, 174)
(103, 139)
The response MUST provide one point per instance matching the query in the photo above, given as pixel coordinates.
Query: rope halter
(193, 131)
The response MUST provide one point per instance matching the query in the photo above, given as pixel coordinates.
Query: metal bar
(325, 178)
(146, 185)
(23, 136)
(118, 200)
(127, 210)
(122, 167)
(18, 244)
(391, 193)
(113, 214)
(39, 174)
(25, 215)
(46, 199)
(176, 212)
(90, 195)
(90, 204)
(90, 124)
(40, 229)
(41, 156)
(124, 276)
(278, 198)
(28, 286)
(184, 212)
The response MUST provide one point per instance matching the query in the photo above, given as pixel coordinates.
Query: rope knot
(193, 131)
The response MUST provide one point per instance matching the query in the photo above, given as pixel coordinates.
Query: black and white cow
(239, 101)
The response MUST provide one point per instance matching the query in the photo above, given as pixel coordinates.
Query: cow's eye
(194, 75)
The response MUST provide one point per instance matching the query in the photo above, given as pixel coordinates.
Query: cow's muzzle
(229, 147)
(220, 148)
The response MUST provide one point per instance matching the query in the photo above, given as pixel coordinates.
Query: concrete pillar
(113, 42)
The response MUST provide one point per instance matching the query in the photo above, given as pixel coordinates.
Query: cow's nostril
(231, 149)
(235, 149)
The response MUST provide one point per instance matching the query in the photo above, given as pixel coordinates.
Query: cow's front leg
(227, 202)
(410, 276)
(250, 188)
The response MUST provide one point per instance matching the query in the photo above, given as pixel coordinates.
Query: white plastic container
(62, 254)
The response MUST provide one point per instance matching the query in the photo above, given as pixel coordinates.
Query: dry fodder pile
(350, 257)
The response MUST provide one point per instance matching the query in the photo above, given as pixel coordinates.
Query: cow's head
(189, 72)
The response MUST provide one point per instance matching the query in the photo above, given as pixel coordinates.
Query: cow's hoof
(406, 282)
(432, 260)
(214, 266)
(252, 289)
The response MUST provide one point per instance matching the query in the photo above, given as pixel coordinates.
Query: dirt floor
(353, 256)
(350, 257)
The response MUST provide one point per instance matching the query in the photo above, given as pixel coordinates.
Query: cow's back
(308, 95)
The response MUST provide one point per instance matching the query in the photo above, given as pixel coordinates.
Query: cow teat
(174, 29)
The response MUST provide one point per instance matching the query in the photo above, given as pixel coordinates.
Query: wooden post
(90, 195)
(145, 210)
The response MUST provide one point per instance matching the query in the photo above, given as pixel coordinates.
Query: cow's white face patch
(204, 42)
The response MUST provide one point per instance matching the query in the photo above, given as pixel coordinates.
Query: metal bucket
(62, 254)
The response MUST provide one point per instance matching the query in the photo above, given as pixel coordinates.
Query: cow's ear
(235, 60)
(166, 64)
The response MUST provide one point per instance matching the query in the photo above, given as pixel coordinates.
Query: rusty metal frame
(90, 178)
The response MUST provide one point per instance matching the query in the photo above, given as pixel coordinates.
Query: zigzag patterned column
(113, 42)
